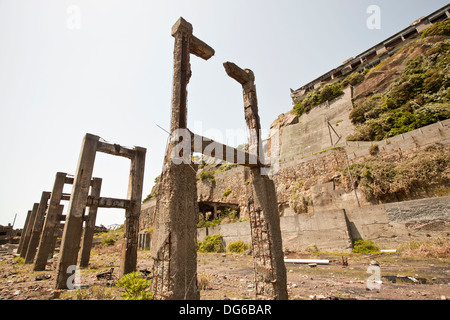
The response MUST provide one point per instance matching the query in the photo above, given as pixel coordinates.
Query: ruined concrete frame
(79, 199)
(174, 254)
(54, 215)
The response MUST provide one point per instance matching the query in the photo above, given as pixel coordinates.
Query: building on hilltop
(374, 55)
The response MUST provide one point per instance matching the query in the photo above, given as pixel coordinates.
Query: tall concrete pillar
(176, 214)
(37, 228)
(27, 233)
(22, 236)
(52, 220)
(70, 244)
(135, 187)
(268, 258)
(88, 233)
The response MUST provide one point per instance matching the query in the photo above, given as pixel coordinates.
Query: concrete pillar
(27, 233)
(37, 228)
(88, 233)
(175, 235)
(129, 249)
(70, 243)
(52, 220)
(266, 201)
(56, 233)
(176, 214)
(22, 236)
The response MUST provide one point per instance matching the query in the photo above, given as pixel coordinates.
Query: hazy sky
(68, 68)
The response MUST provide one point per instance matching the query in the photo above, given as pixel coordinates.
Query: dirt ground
(229, 276)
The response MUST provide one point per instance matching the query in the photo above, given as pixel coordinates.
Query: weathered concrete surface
(176, 214)
(70, 243)
(333, 230)
(88, 231)
(51, 221)
(174, 238)
(128, 259)
(37, 228)
(27, 231)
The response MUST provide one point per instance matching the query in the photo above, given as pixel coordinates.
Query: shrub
(226, 193)
(420, 96)
(318, 96)
(441, 28)
(364, 246)
(212, 243)
(374, 149)
(381, 179)
(353, 79)
(135, 286)
(236, 246)
(209, 174)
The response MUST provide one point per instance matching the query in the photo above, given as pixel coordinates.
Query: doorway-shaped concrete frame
(70, 243)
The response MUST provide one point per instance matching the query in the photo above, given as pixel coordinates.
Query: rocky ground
(229, 276)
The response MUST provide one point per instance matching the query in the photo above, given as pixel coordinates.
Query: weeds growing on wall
(382, 179)
(318, 96)
(419, 97)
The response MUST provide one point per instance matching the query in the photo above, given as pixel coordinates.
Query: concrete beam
(221, 151)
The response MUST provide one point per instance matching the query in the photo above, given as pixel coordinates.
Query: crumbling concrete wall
(333, 230)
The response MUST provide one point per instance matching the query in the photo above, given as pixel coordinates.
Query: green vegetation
(441, 28)
(111, 237)
(212, 243)
(419, 97)
(364, 246)
(383, 179)
(226, 193)
(230, 215)
(210, 172)
(236, 246)
(136, 287)
(318, 96)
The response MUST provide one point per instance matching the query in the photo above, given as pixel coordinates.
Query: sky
(105, 67)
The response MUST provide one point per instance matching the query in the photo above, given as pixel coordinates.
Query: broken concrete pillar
(37, 228)
(88, 233)
(267, 249)
(27, 233)
(52, 220)
(174, 239)
(132, 213)
(270, 271)
(70, 243)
